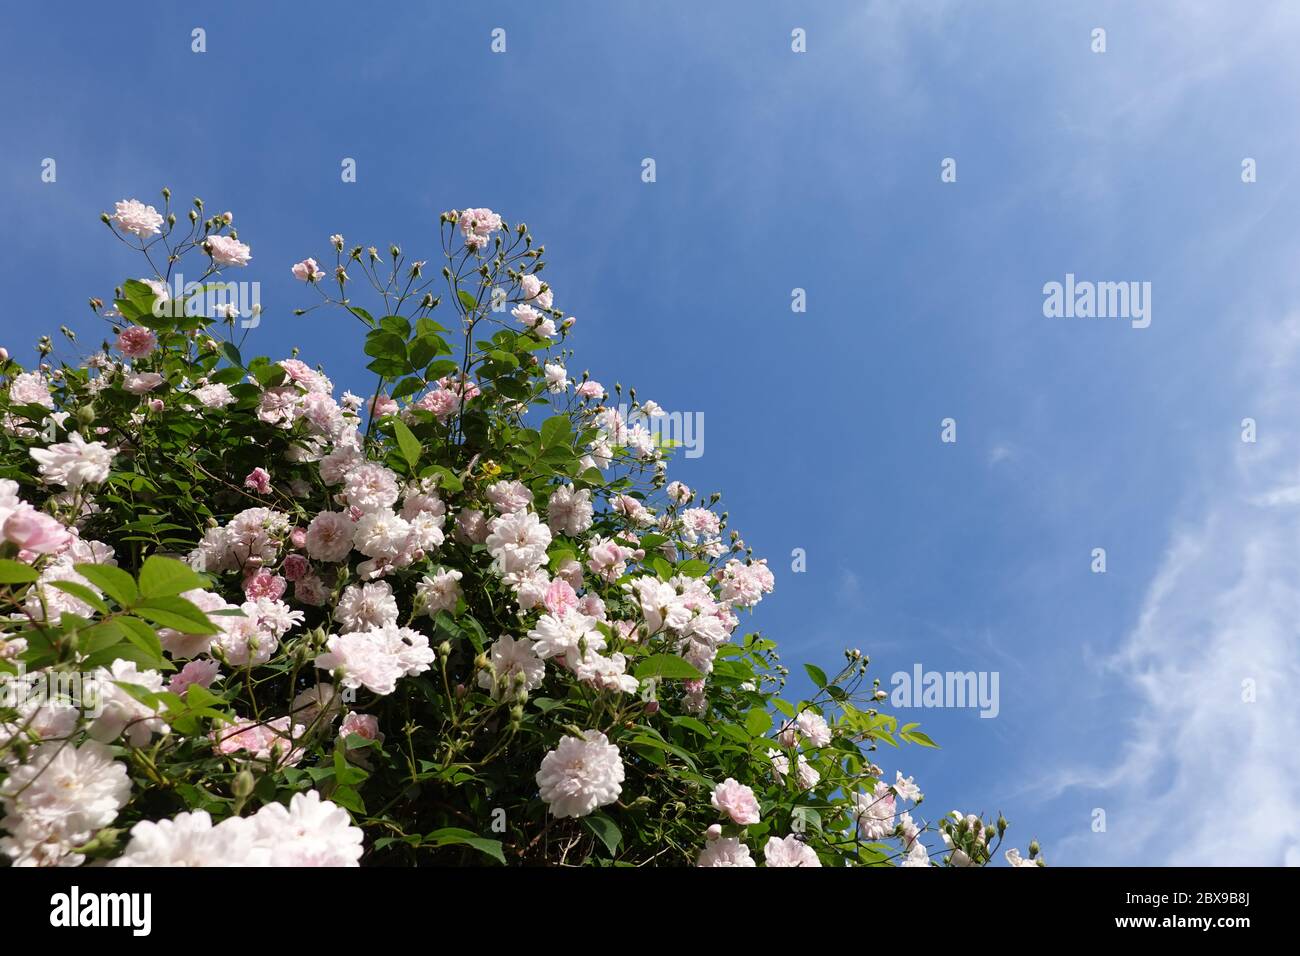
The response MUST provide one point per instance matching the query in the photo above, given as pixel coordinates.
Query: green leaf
(917, 737)
(758, 722)
(232, 354)
(397, 323)
(666, 665)
(348, 799)
(693, 568)
(453, 836)
(817, 674)
(407, 443)
(176, 612)
(692, 723)
(15, 572)
(467, 300)
(424, 348)
(606, 829)
(114, 582)
(556, 430)
(383, 343)
(142, 636)
(81, 593)
(103, 635)
(163, 577)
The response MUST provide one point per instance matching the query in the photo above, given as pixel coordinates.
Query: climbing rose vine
(463, 619)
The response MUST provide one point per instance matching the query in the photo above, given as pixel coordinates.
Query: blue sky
(820, 171)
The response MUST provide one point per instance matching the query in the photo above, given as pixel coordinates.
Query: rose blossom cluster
(337, 565)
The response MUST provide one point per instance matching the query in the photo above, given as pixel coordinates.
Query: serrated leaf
(81, 593)
(453, 836)
(917, 737)
(15, 572)
(758, 722)
(606, 830)
(141, 635)
(114, 582)
(407, 443)
(163, 577)
(556, 430)
(176, 612)
(666, 665)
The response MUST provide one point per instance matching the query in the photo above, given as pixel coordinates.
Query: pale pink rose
(275, 738)
(227, 251)
(590, 389)
(310, 590)
(726, 851)
(201, 672)
(790, 851)
(329, 536)
(213, 396)
(478, 224)
(156, 405)
(363, 725)
(136, 342)
(141, 382)
(440, 402)
(307, 271)
(258, 480)
(135, 217)
(30, 388)
(264, 584)
(35, 531)
(381, 405)
(509, 496)
(471, 527)
(736, 800)
(295, 567)
(465, 389)
(298, 538)
(560, 597)
(527, 316)
(571, 570)
(592, 606)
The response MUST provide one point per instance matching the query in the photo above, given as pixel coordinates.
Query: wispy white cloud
(1209, 772)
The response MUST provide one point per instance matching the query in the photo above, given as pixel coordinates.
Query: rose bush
(464, 619)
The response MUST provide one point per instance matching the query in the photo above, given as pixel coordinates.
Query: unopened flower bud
(243, 784)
